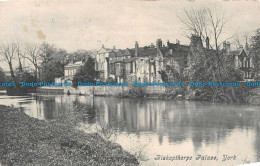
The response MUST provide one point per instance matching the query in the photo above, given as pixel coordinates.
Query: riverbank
(240, 95)
(28, 141)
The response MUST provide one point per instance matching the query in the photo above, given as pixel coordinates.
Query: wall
(107, 90)
(97, 90)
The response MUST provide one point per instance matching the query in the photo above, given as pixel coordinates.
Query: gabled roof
(127, 52)
(103, 50)
(245, 54)
(179, 47)
(122, 53)
(119, 53)
(112, 54)
(147, 52)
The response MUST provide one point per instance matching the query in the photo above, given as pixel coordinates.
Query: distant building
(149, 61)
(102, 62)
(141, 64)
(122, 65)
(244, 62)
(69, 72)
(71, 69)
(144, 64)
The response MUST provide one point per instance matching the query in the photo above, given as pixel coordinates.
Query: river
(150, 128)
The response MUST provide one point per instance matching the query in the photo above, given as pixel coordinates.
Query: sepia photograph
(129, 82)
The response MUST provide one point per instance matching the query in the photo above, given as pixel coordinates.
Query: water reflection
(168, 127)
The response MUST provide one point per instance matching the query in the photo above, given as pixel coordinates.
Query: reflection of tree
(48, 108)
(257, 138)
(201, 122)
(209, 123)
(86, 111)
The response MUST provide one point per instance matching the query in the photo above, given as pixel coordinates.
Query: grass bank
(28, 141)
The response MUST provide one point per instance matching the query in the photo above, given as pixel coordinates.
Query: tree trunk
(11, 70)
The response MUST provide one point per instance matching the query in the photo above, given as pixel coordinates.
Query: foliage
(255, 40)
(78, 56)
(110, 79)
(52, 62)
(25, 77)
(2, 75)
(86, 73)
(164, 75)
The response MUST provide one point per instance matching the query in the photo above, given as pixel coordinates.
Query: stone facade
(102, 62)
(141, 64)
(71, 69)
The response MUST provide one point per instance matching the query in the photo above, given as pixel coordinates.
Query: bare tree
(19, 56)
(216, 22)
(209, 22)
(237, 41)
(32, 53)
(205, 22)
(8, 52)
(195, 22)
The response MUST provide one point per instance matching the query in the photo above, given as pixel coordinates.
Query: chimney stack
(224, 45)
(207, 42)
(114, 47)
(158, 43)
(168, 44)
(196, 41)
(228, 46)
(136, 49)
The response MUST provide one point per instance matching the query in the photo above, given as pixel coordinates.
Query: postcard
(129, 82)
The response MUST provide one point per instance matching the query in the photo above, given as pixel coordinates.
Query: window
(112, 68)
(131, 70)
(128, 68)
(118, 69)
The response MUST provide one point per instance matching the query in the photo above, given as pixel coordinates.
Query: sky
(78, 24)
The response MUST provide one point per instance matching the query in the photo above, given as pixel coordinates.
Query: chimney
(228, 46)
(196, 41)
(224, 45)
(168, 44)
(114, 47)
(103, 46)
(158, 43)
(136, 49)
(207, 42)
(177, 41)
